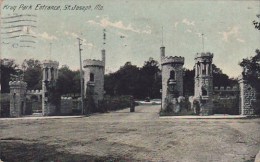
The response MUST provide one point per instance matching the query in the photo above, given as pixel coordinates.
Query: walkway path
(139, 136)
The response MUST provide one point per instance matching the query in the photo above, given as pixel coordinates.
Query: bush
(112, 103)
(5, 108)
(226, 106)
(169, 110)
(5, 104)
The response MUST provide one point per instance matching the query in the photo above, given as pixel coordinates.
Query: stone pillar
(49, 74)
(44, 74)
(247, 97)
(17, 98)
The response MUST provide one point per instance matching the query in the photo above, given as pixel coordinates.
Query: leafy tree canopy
(251, 69)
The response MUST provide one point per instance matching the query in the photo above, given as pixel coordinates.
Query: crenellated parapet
(172, 60)
(50, 70)
(226, 89)
(93, 62)
(17, 84)
(50, 64)
(34, 92)
(204, 56)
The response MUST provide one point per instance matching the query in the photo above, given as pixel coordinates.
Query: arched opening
(91, 77)
(204, 91)
(52, 73)
(172, 75)
(204, 68)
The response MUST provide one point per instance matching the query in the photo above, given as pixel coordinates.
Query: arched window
(204, 91)
(204, 68)
(91, 77)
(172, 75)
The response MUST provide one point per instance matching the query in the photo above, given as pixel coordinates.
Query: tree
(32, 73)
(150, 79)
(131, 80)
(8, 67)
(251, 73)
(257, 23)
(68, 81)
(251, 70)
(188, 82)
(221, 79)
(127, 79)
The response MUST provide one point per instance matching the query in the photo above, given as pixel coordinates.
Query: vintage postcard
(130, 80)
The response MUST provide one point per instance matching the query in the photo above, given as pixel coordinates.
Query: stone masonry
(172, 75)
(50, 76)
(247, 97)
(203, 88)
(94, 71)
(17, 98)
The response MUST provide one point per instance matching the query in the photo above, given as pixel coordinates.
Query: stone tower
(94, 71)
(17, 98)
(203, 88)
(172, 76)
(50, 76)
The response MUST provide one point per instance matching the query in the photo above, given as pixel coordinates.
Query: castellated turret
(203, 88)
(172, 76)
(17, 98)
(203, 75)
(50, 76)
(94, 71)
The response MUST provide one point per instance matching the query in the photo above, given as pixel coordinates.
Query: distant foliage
(32, 73)
(8, 67)
(188, 82)
(219, 79)
(251, 69)
(251, 72)
(132, 80)
(68, 82)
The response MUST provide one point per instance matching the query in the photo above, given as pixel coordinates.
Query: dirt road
(124, 136)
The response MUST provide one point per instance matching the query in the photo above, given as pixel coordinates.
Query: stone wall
(66, 105)
(247, 97)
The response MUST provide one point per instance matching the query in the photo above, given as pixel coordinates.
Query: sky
(133, 31)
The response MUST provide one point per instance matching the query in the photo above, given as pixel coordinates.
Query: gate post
(247, 96)
(17, 98)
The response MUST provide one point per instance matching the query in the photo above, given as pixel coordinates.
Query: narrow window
(172, 75)
(204, 92)
(204, 69)
(91, 77)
